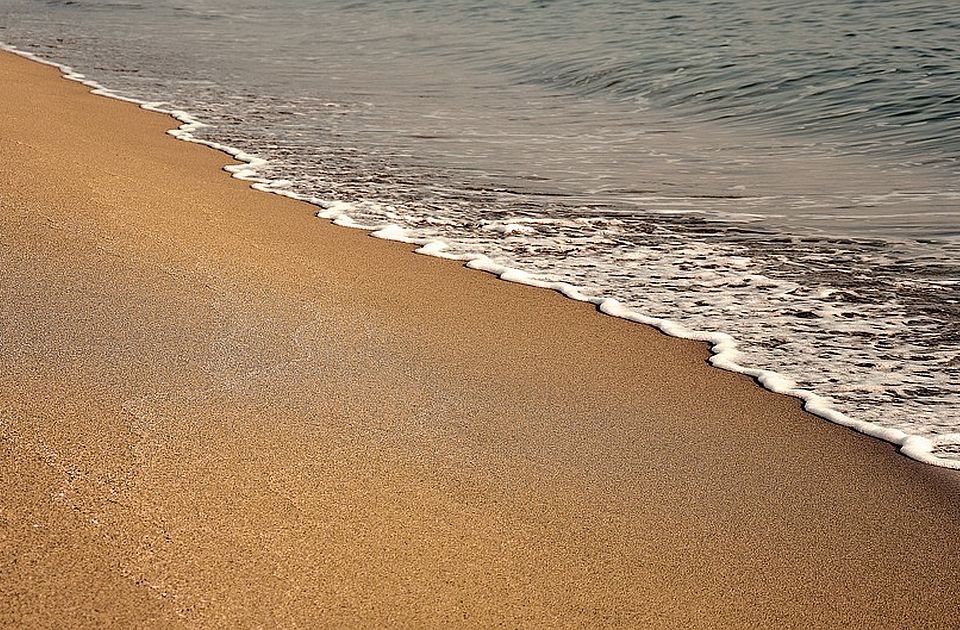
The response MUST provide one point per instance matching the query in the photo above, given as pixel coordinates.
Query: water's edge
(723, 347)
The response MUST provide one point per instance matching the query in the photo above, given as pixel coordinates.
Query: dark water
(784, 172)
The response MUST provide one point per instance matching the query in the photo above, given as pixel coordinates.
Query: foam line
(723, 347)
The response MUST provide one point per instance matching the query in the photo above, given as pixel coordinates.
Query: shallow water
(783, 172)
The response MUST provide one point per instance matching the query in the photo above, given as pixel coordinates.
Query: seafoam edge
(723, 347)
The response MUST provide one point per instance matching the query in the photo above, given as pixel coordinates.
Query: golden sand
(219, 410)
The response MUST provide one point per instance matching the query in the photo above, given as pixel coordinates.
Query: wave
(777, 66)
(723, 347)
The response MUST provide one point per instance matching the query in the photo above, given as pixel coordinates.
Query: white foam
(509, 228)
(724, 351)
(392, 232)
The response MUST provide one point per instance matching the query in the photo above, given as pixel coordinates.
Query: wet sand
(219, 410)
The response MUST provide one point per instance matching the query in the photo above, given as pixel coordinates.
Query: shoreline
(319, 433)
(724, 349)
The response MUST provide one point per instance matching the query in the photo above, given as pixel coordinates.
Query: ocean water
(784, 176)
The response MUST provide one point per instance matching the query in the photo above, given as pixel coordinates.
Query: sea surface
(786, 173)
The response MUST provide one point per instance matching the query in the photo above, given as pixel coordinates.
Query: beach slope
(219, 410)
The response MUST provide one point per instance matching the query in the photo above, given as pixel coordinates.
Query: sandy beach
(217, 410)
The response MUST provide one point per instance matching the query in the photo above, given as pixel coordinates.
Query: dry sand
(219, 410)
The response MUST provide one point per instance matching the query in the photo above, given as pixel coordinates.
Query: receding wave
(784, 174)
